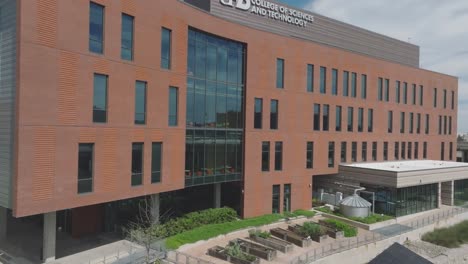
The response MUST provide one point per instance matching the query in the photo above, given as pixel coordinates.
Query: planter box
(275, 243)
(220, 252)
(255, 249)
(319, 239)
(334, 233)
(292, 237)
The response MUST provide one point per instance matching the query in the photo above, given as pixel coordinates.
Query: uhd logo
(240, 4)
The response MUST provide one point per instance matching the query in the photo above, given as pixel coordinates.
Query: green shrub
(304, 213)
(372, 219)
(311, 229)
(349, 231)
(235, 251)
(259, 233)
(451, 237)
(325, 209)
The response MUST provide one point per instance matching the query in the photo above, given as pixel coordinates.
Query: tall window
(166, 40)
(418, 123)
(334, 81)
(140, 103)
(326, 117)
(127, 37)
(403, 150)
(450, 125)
(338, 119)
(275, 207)
(363, 86)
(258, 113)
(310, 155)
(173, 106)
(85, 168)
(374, 151)
(445, 98)
(416, 150)
(96, 28)
(323, 80)
(387, 90)
(331, 154)
(397, 91)
(405, 93)
(453, 100)
(265, 156)
(410, 150)
(278, 156)
(413, 97)
(316, 117)
(390, 121)
(100, 98)
(402, 122)
(279, 73)
(397, 150)
(435, 97)
(385, 150)
(137, 164)
(360, 120)
(350, 119)
(345, 83)
(287, 198)
(343, 151)
(451, 151)
(440, 125)
(380, 89)
(411, 122)
(353, 151)
(421, 95)
(445, 125)
(156, 161)
(425, 150)
(442, 151)
(274, 114)
(427, 124)
(370, 120)
(353, 84)
(364, 151)
(310, 77)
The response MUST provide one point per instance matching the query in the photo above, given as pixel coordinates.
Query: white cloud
(438, 27)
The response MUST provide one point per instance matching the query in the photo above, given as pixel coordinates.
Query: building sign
(272, 10)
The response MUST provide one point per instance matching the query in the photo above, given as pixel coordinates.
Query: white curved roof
(355, 201)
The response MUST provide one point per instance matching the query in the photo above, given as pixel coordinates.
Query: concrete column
(447, 190)
(217, 195)
(49, 237)
(3, 223)
(155, 202)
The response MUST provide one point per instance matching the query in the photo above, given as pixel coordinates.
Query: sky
(439, 28)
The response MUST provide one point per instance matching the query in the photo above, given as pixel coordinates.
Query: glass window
(360, 120)
(364, 151)
(173, 106)
(343, 151)
(258, 113)
(279, 73)
(334, 81)
(310, 77)
(374, 151)
(435, 97)
(350, 119)
(397, 150)
(370, 120)
(390, 121)
(421, 95)
(416, 150)
(127, 37)
(387, 90)
(331, 154)
(326, 117)
(445, 125)
(310, 155)
(276, 199)
(451, 151)
(442, 151)
(445, 98)
(402, 122)
(316, 117)
(418, 123)
(345, 83)
(85, 168)
(453, 100)
(156, 158)
(410, 150)
(450, 126)
(166, 40)
(287, 198)
(140, 103)
(380, 89)
(353, 151)
(397, 93)
(96, 28)
(411, 121)
(413, 97)
(137, 164)
(427, 124)
(274, 114)
(403, 150)
(323, 80)
(440, 125)
(363, 86)
(425, 150)
(278, 156)
(385, 150)
(405, 93)
(353, 84)
(100, 98)
(338, 118)
(265, 156)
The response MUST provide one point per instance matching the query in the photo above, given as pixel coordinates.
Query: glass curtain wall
(461, 193)
(215, 116)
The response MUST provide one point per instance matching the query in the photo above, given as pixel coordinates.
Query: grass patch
(213, 230)
(372, 219)
(451, 237)
(304, 213)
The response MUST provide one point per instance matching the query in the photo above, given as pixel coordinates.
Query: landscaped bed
(316, 232)
(290, 236)
(372, 219)
(451, 237)
(266, 239)
(254, 249)
(233, 254)
(339, 227)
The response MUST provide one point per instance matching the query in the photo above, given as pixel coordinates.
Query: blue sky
(438, 27)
